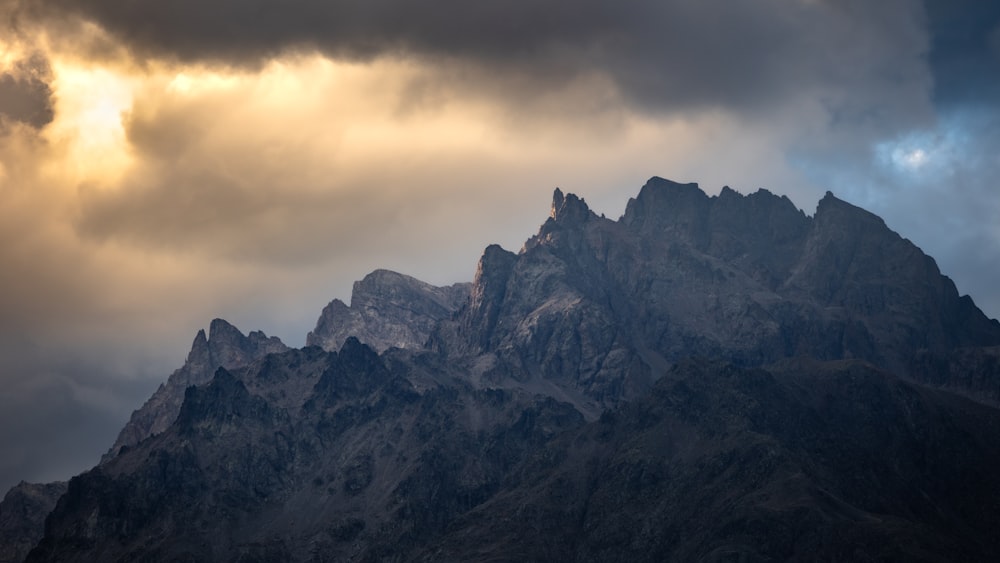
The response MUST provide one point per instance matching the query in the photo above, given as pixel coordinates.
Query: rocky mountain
(225, 346)
(808, 461)
(22, 517)
(811, 460)
(387, 310)
(603, 306)
(706, 378)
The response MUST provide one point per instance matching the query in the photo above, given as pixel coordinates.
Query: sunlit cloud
(92, 105)
(930, 155)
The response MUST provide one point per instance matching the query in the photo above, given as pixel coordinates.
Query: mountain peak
(224, 347)
(221, 329)
(557, 202)
(387, 310)
(199, 348)
(833, 210)
(663, 203)
(662, 187)
(569, 208)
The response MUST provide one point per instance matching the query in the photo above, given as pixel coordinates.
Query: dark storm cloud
(49, 426)
(965, 54)
(25, 95)
(664, 54)
(948, 200)
(935, 181)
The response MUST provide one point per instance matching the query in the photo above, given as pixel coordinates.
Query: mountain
(352, 452)
(823, 460)
(225, 347)
(387, 310)
(706, 378)
(817, 461)
(22, 517)
(603, 306)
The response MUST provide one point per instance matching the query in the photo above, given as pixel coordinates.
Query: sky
(166, 163)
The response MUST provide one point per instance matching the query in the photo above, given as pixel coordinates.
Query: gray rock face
(359, 466)
(602, 306)
(225, 347)
(812, 461)
(388, 310)
(22, 517)
(807, 460)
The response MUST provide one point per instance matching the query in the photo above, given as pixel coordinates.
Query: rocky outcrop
(225, 347)
(387, 310)
(806, 460)
(602, 306)
(22, 517)
(361, 467)
(818, 461)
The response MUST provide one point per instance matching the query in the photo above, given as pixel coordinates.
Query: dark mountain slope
(819, 461)
(22, 517)
(814, 461)
(361, 467)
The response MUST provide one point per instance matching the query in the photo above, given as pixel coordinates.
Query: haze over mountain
(705, 378)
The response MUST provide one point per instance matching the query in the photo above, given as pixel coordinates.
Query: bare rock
(387, 310)
(601, 306)
(225, 347)
(22, 517)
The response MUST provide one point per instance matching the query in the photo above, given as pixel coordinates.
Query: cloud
(932, 177)
(676, 55)
(935, 185)
(965, 58)
(281, 165)
(25, 95)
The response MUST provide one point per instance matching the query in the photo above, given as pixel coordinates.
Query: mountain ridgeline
(705, 379)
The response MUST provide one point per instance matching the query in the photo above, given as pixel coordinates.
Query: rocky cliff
(603, 306)
(806, 460)
(706, 378)
(22, 517)
(353, 462)
(809, 461)
(225, 346)
(387, 310)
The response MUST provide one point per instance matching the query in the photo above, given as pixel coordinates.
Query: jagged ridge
(603, 306)
(225, 347)
(555, 412)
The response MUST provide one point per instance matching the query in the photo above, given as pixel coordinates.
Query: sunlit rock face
(387, 310)
(706, 378)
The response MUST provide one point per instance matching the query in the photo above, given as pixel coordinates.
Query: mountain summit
(387, 310)
(225, 346)
(602, 307)
(706, 378)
